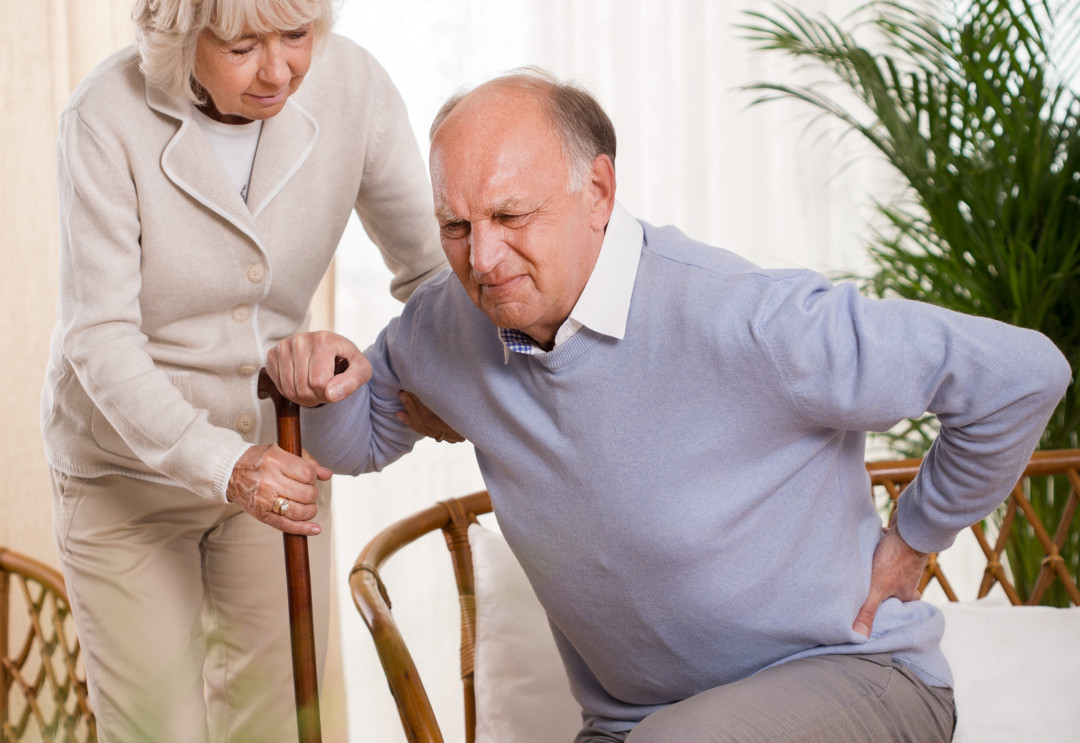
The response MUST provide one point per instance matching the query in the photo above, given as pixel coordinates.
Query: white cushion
(522, 695)
(1016, 668)
(1016, 671)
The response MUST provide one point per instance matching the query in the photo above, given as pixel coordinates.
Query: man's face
(522, 246)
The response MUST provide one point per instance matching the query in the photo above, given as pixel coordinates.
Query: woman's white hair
(166, 32)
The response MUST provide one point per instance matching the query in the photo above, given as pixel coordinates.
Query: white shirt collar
(604, 304)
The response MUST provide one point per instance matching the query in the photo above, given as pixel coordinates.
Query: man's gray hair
(584, 129)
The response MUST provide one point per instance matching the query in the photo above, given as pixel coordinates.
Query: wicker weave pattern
(44, 689)
(454, 516)
(1017, 513)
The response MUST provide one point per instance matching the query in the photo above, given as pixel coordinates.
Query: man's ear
(601, 187)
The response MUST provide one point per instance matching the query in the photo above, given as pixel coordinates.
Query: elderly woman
(205, 177)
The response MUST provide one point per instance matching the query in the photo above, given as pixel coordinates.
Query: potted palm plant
(970, 101)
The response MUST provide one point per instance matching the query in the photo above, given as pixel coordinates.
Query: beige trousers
(180, 606)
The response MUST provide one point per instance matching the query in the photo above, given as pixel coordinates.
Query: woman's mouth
(271, 99)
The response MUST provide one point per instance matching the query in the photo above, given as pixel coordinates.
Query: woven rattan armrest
(43, 693)
(369, 594)
(1018, 513)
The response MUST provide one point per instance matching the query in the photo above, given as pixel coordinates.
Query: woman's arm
(395, 202)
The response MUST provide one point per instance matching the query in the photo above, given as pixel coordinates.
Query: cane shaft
(298, 585)
(305, 671)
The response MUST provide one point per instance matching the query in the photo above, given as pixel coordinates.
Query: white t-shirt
(235, 146)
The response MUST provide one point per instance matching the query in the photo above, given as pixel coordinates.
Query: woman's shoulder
(113, 82)
(346, 68)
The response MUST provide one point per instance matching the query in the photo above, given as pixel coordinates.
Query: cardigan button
(256, 272)
(245, 423)
(241, 313)
(246, 370)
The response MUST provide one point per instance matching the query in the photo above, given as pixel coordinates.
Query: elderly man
(673, 439)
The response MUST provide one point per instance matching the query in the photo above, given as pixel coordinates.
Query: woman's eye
(241, 51)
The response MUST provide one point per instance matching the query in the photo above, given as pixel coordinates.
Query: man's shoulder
(439, 302)
(442, 283)
(703, 287)
(439, 328)
(668, 249)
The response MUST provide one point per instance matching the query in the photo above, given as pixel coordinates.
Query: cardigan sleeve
(395, 202)
(852, 363)
(100, 321)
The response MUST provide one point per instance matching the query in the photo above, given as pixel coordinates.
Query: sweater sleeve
(362, 432)
(395, 202)
(852, 363)
(100, 321)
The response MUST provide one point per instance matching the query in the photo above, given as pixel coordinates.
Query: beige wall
(51, 46)
(56, 45)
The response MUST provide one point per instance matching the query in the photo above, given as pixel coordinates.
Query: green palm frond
(970, 101)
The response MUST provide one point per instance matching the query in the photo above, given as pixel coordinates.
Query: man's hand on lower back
(896, 571)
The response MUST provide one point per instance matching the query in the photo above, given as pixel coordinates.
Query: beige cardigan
(172, 289)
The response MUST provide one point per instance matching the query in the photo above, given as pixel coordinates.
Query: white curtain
(691, 153)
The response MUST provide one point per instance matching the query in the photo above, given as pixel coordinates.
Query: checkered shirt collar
(515, 340)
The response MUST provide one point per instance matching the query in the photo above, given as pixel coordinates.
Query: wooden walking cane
(298, 578)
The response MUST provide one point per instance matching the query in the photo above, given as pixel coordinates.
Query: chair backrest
(43, 684)
(888, 478)
(1048, 489)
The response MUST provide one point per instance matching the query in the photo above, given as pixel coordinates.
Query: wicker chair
(453, 517)
(44, 687)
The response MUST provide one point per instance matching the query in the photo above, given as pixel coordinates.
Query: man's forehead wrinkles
(447, 213)
(508, 204)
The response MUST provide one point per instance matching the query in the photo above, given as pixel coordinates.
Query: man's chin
(505, 314)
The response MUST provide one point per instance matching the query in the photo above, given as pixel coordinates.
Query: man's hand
(302, 367)
(419, 418)
(895, 572)
(267, 477)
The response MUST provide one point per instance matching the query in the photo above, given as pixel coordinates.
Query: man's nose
(486, 247)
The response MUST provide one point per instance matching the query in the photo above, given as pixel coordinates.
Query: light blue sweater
(691, 503)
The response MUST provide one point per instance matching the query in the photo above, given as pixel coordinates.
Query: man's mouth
(501, 286)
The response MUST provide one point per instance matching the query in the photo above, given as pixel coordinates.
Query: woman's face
(252, 76)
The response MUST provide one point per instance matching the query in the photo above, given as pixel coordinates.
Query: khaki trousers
(823, 699)
(180, 606)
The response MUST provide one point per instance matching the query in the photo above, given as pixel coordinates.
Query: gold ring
(281, 505)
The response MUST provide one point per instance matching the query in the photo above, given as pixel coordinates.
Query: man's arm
(858, 364)
(851, 363)
(356, 427)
